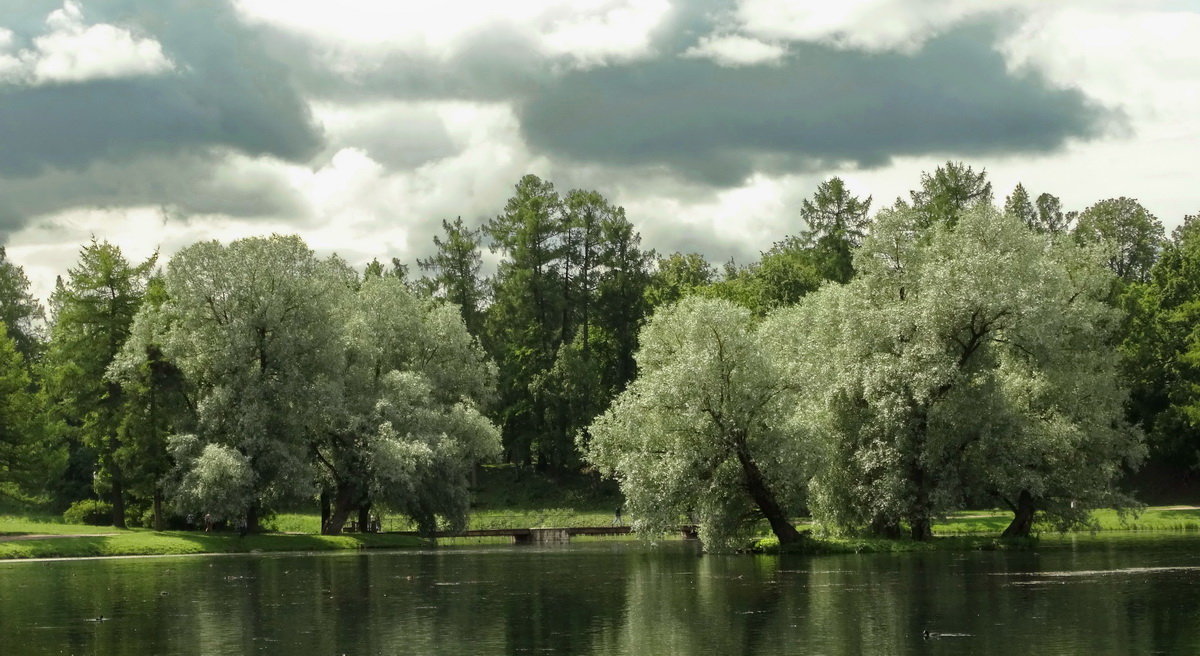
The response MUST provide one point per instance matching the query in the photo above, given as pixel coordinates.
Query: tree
(961, 364)
(95, 308)
(26, 459)
(1161, 351)
(1044, 216)
(837, 223)
(524, 323)
(607, 303)
(253, 326)
(403, 428)
(1050, 217)
(700, 431)
(1133, 233)
(1019, 206)
(621, 301)
(157, 403)
(948, 192)
(676, 276)
(19, 311)
(455, 268)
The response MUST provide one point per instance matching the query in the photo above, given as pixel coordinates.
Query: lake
(1125, 596)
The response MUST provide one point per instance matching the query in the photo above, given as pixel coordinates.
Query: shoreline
(1117, 538)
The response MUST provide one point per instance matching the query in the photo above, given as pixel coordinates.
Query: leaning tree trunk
(765, 499)
(252, 518)
(344, 501)
(1022, 523)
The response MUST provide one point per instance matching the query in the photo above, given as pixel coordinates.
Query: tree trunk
(920, 518)
(343, 503)
(252, 518)
(118, 499)
(1022, 522)
(765, 499)
(160, 522)
(325, 508)
(364, 517)
(884, 527)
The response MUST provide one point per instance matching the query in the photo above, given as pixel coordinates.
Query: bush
(89, 511)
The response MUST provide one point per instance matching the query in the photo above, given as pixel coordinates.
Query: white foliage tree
(701, 430)
(971, 361)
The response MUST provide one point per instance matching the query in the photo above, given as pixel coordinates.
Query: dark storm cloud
(190, 183)
(226, 93)
(819, 106)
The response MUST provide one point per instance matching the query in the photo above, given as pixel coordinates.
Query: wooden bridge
(544, 535)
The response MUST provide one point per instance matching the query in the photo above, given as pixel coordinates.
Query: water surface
(1129, 597)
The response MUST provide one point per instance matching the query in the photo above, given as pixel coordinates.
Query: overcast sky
(360, 124)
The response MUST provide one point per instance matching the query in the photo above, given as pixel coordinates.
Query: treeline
(239, 376)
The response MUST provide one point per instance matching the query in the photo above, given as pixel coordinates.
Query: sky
(361, 124)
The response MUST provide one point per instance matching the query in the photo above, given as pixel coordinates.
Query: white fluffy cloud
(356, 34)
(73, 51)
(736, 50)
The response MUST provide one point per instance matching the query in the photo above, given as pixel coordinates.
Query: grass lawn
(1163, 518)
(147, 542)
(971, 530)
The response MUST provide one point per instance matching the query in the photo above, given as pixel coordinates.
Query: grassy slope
(505, 497)
(980, 530)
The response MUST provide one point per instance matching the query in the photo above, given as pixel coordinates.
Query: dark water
(1132, 597)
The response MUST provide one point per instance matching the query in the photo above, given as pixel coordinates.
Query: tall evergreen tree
(94, 310)
(949, 191)
(524, 322)
(157, 399)
(455, 272)
(26, 459)
(837, 223)
(20, 312)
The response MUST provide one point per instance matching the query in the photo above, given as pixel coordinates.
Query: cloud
(736, 50)
(818, 107)
(354, 36)
(224, 92)
(72, 51)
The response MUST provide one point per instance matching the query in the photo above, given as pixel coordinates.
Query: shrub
(89, 511)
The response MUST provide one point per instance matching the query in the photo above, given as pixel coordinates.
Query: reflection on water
(611, 598)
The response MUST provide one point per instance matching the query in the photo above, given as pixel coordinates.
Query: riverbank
(145, 542)
(980, 531)
(23, 537)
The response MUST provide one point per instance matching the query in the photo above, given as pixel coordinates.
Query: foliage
(568, 299)
(27, 459)
(455, 268)
(837, 223)
(253, 327)
(20, 312)
(699, 431)
(94, 311)
(89, 511)
(948, 192)
(961, 365)
(676, 276)
(1134, 235)
(1162, 350)
(404, 426)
